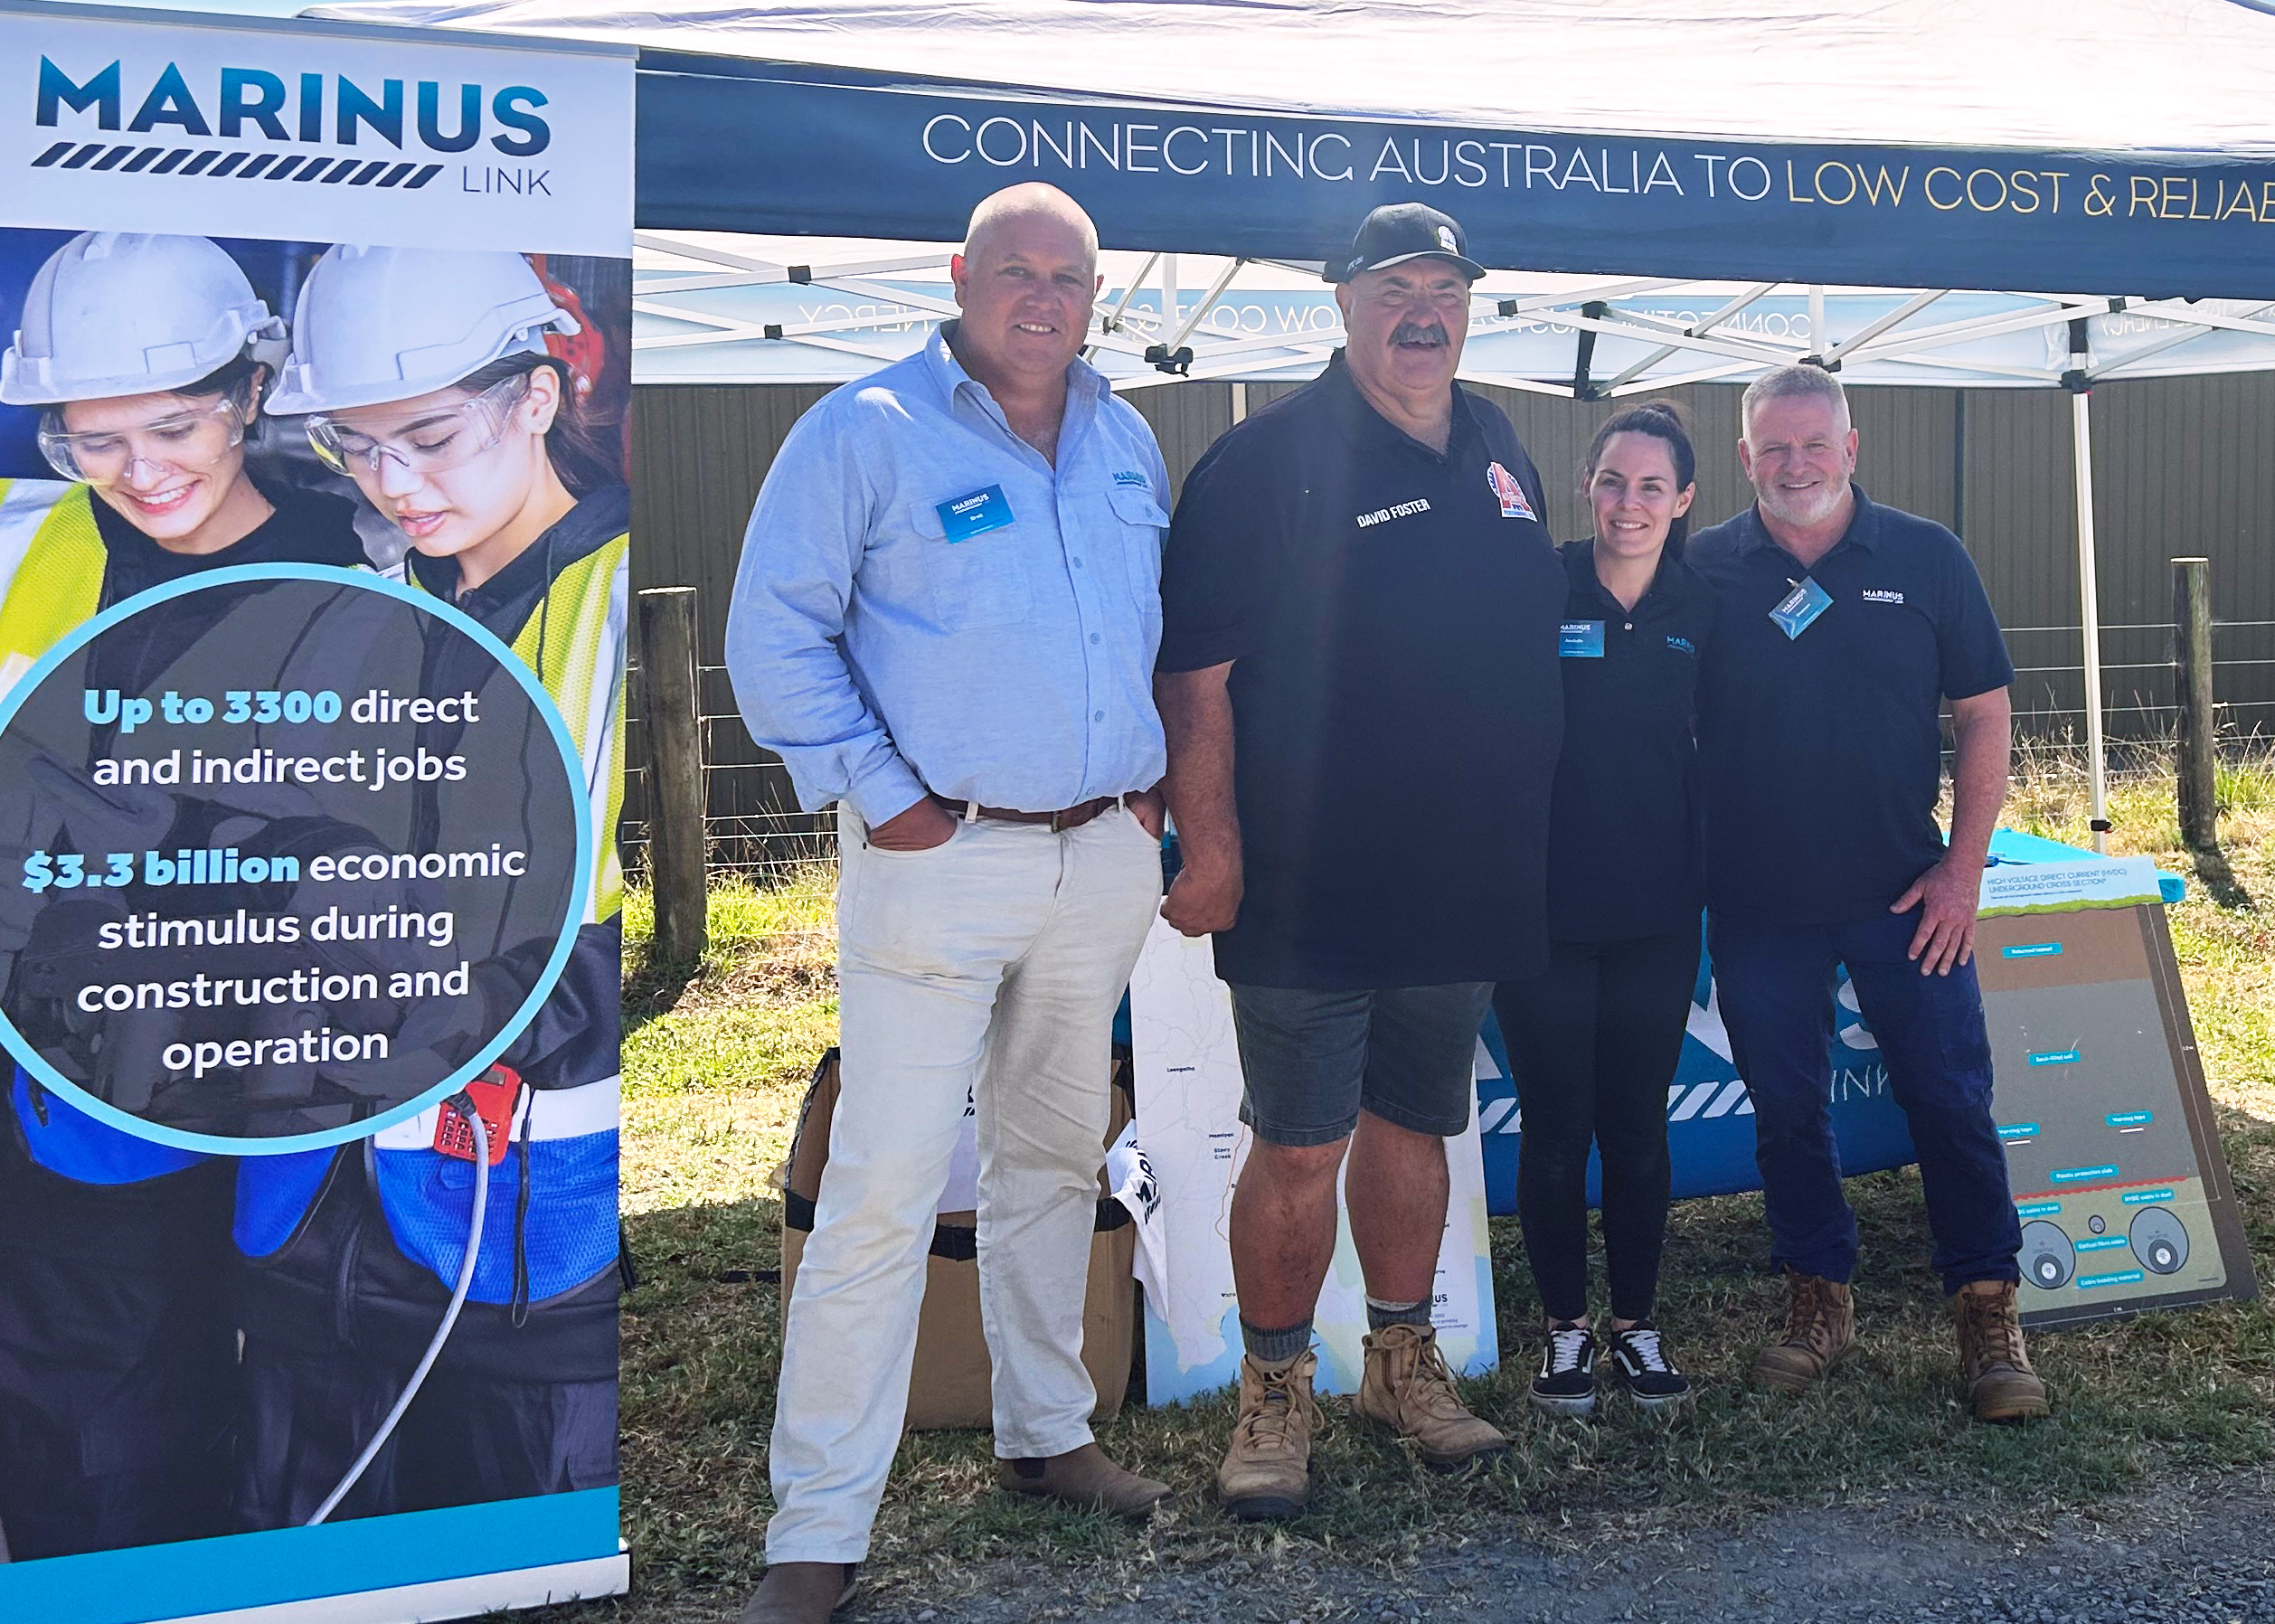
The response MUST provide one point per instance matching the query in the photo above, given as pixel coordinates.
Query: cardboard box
(948, 1386)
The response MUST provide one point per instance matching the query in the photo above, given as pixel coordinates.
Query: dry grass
(714, 1069)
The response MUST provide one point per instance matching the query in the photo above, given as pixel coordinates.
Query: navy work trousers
(1776, 991)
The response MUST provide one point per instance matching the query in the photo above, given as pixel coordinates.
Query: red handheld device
(495, 1094)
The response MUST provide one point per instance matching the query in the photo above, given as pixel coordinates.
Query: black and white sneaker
(1566, 1384)
(1639, 1356)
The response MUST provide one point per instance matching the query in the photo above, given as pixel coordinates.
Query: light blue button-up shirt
(882, 658)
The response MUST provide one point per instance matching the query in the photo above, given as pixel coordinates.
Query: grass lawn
(715, 1063)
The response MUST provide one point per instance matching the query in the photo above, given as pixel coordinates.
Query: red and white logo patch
(1509, 494)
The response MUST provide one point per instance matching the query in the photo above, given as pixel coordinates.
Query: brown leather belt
(1066, 818)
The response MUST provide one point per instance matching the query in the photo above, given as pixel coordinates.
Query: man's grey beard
(1780, 504)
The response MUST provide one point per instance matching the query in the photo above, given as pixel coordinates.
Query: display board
(313, 584)
(2111, 1146)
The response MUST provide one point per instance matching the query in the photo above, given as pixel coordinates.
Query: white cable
(450, 1316)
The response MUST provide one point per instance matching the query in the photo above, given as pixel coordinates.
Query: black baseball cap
(1397, 232)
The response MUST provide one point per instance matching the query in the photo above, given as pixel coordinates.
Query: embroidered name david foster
(1405, 510)
(1880, 595)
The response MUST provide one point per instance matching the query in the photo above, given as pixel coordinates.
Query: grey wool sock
(1276, 1346)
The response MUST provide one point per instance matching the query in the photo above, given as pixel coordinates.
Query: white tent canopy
(2178, 75)
(2105, 167)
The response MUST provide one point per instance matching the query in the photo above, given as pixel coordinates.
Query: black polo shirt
(1822, 752)
(1390, 617)
(1623, 859)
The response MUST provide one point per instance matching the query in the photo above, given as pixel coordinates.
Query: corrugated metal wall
(699, 455)
(2181, 466)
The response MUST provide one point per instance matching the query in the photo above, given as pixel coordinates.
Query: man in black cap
(1359, 683)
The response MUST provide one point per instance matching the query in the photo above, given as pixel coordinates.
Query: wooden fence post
(2192, 688)
(675, 772)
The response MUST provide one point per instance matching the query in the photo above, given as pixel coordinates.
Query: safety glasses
(189, 441)
(422, 442)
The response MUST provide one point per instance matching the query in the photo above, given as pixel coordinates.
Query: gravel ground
(2204, 1555)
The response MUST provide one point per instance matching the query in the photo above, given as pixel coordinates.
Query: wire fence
(757, 845)
(753, 829)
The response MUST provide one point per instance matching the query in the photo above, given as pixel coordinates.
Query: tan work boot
(1408, 1388)
(1993, 1363)
(1267, 1472)
(800, 1593)
(1084, 1478)
(1821, 1326)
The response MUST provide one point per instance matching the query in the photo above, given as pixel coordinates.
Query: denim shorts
(1313, 1061)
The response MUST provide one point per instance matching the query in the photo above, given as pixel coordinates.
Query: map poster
(1188, 1090)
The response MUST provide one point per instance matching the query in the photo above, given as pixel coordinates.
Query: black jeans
(1593, 1042)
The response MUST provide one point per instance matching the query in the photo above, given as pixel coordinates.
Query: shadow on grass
(2219, 878)
(652, 985)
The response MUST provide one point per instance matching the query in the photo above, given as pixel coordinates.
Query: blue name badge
(975, 515)
(1580, 640)
(1800, 607)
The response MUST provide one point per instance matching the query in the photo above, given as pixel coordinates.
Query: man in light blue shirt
(945, 620)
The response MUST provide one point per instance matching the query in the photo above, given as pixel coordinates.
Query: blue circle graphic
(49, 1077)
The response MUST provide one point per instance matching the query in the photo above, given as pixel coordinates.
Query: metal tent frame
(1150, 349)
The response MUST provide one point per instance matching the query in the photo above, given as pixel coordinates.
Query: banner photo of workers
(315, 514)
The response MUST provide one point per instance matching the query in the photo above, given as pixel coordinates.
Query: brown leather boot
(1408, 1388)
(800, 1593)
(1267, 1471)
(1993, 1362)
(1821, 1326)
(1084, 1478)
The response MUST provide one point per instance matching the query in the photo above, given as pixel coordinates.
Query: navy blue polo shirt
(1389, 614)
(1821, 754)
(1623, 858)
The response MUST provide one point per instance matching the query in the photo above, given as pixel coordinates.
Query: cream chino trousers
(989, 968)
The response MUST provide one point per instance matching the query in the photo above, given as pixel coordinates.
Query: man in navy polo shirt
(1358, 680)
(1843, 627)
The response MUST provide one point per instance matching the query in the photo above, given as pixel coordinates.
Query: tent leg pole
(2088, 604)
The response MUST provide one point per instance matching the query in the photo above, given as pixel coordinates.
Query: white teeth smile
(161, 502)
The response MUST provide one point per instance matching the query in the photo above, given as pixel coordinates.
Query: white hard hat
(374, 325)
(124, 313)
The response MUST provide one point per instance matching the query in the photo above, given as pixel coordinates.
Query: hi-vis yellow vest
(52, 559)
(580, 662)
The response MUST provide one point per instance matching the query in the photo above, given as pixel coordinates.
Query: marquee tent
(2056, 194)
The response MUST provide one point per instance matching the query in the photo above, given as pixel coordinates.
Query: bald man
(945, 621)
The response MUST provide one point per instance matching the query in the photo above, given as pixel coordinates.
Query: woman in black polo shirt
(1593, 1041)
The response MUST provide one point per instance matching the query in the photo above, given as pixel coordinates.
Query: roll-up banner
(313, 590)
